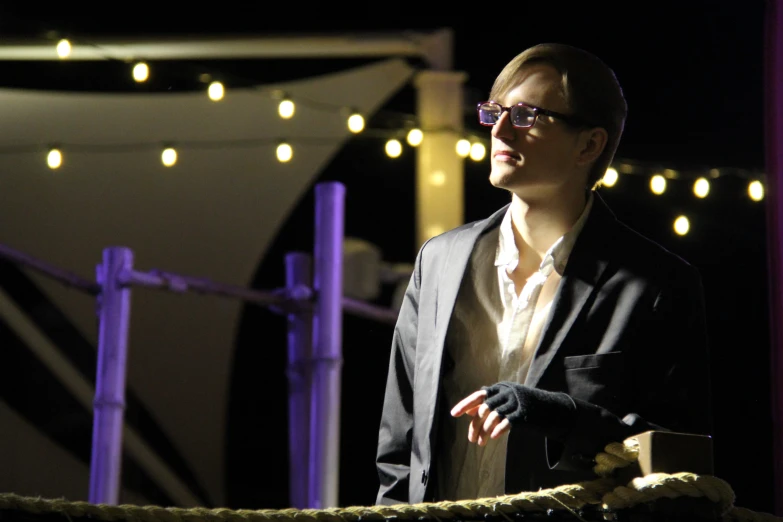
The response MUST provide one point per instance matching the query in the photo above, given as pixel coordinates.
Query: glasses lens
(522, 116)
(489, 113)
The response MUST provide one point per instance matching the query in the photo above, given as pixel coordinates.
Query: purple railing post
(327, 345)
(109, 403)
(299, 272)
(774, 166)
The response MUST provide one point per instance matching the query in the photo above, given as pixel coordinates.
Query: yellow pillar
(439, 170)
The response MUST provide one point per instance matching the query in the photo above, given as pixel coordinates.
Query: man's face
(538, 161)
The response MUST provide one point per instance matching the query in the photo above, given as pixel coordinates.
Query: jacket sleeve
(395, 435)
(669, 375)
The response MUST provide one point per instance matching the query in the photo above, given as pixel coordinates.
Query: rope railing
(58, 274)
(312, 295)
(601, 499)
(280, 299)
(598, 500)
(285, 300)
(366, 310)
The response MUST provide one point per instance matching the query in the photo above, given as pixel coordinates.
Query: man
(529, 340)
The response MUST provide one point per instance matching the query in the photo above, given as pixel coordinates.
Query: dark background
(692, 73)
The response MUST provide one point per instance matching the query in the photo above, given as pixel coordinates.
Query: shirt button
(485, 475)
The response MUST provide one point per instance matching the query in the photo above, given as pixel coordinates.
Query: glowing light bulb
(463, 148)
(286, 109)
(415, 137)
(356, 123)
(756, 190)
(216, 91)
(393, 148)
(478, 151)
(284, 153)
(701, 188)
(610, 177)
(141, 72)
(63, 48)
(682, 225)
(169, 156)
(54, 159)
(658, 184)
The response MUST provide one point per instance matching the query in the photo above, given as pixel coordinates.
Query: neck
(538, 223)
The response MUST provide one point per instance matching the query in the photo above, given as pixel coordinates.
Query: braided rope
(570, 497)
(618, 455)
(661, 485)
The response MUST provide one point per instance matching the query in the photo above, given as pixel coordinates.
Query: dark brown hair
(590, 87)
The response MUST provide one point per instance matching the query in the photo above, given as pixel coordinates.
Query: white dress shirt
(492, 337)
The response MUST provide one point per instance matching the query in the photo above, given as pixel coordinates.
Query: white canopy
(212, 215)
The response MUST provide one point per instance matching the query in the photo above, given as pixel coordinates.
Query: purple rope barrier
(285, 300)
(317, 467)
(370, 311)
(63, 276)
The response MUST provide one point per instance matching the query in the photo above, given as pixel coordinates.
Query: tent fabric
(212, 215)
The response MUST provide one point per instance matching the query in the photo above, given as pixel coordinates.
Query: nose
(503, 129)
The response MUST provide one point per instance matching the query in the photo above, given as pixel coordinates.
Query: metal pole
(109, 403)
(774, 205)
(327, 346)
(299, 271)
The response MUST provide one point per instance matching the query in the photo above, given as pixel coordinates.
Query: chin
(498, 181)
(506, 178)
(502, 176)
(521, 186)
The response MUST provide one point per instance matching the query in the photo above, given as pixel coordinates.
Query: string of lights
(216, 90)
(468, 145)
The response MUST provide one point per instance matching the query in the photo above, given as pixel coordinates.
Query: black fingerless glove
(552, 414)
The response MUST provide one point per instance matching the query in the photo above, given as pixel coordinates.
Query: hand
(486, 424)
(550, 413)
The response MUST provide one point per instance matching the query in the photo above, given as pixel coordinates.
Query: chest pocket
(599, 378)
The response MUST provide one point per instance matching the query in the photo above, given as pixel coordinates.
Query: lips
(500, 154)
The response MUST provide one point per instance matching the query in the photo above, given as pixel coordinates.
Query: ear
(591, 144)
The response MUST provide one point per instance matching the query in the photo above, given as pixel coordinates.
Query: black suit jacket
(626, 338)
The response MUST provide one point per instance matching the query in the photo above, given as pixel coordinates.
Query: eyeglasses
(522, 115)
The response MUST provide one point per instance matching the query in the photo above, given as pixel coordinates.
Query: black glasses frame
(571, 120)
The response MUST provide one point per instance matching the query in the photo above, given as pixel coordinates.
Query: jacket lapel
(453, 272)
(430, 358)
(586, 264)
